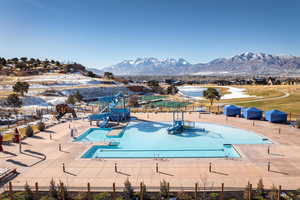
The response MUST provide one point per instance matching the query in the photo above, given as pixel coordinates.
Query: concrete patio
(41, 159)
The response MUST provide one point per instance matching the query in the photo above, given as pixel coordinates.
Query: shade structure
(252, 113)
(232, 110)
(276, 116)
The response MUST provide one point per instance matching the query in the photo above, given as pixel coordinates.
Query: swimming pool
(93, 135)
(150, 139)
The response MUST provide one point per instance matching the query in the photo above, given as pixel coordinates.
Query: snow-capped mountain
(254, 63)
(151, 66)
(244, 63)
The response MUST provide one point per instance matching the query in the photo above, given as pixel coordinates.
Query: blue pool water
(93, 135)
(150, 139)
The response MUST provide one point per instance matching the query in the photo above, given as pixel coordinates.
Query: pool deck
(44, 161)
(117, 130)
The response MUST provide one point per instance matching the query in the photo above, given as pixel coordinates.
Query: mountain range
(243, 64)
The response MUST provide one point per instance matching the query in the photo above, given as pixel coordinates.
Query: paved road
(266, 99)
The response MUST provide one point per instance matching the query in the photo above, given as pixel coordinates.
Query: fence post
(116, 168)
(62, 191)
(222, 191)
(279, 191)
(11, 196)
(36, 190)
(89, 191)
(63, 167)
(114, 191)
(250, 191)
(168, 190)
(196, 190)
(141, 191)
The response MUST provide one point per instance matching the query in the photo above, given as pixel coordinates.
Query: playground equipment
(63, 109)
(110, 112)
(178, 124)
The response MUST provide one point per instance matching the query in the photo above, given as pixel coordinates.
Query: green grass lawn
(169, 104)
(290, 104)
(151, 97)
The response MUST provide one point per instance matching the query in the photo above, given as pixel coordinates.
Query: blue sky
(99, 33)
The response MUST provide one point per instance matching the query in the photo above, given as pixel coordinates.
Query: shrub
(273, 193)
(29, 131)
(102, 196)
(183, 196)
(53, 190)
(298, 123)
(260, 188)
(213, 195)
(164, 189)
(28, 194)
(47, 198)
(81, 196)
(63, 191)
(41, 126)
(128, 190)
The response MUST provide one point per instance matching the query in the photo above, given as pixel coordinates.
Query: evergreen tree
(21, 87)
(14, 101)
(212, 94)
(24, 59)
(172, 90)
(71, 99)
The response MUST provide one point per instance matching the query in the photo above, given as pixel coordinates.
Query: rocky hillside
(244, 64)
(30, 66)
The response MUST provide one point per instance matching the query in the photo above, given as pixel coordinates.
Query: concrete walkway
(182, 173)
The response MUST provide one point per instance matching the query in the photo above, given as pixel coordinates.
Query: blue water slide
(104, 123)
(98, 117)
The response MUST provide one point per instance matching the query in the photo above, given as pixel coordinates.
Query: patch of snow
(236, 93)
(196, 92)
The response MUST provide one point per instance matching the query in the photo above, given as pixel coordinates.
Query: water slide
(104, 123)
(176, 128)
(105, 116)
